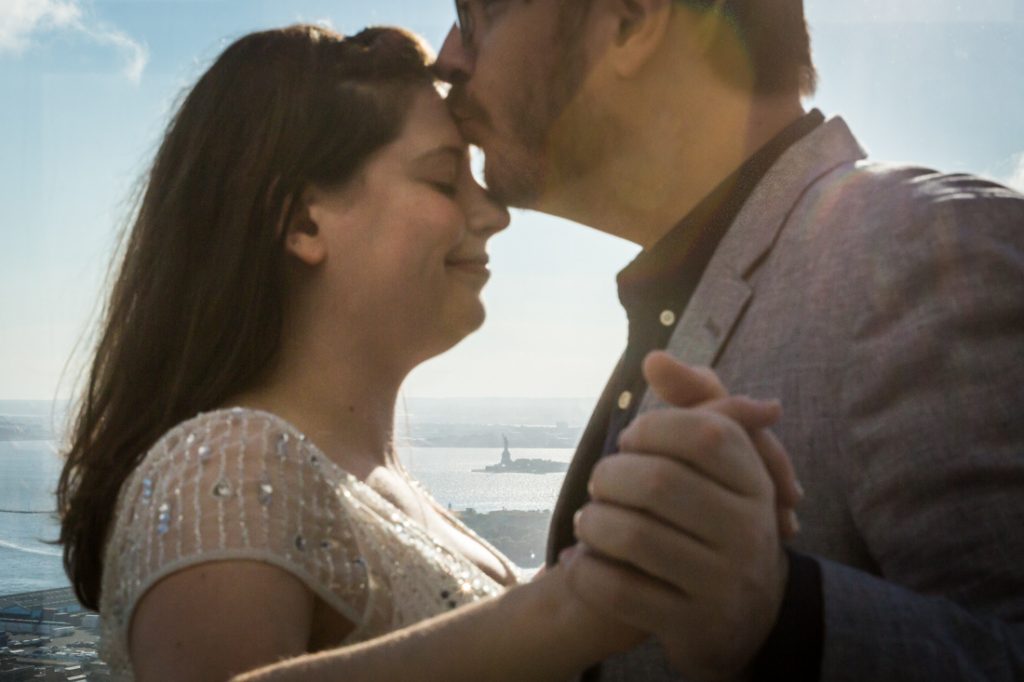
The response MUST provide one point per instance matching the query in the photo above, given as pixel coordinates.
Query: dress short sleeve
(232, 485)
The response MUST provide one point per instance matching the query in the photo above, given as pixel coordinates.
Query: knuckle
(711, 434)
(600, 476)
(732, 428)
(635, 540)
(737, 407)
(657, 483)
(583, 521)
(640, 428)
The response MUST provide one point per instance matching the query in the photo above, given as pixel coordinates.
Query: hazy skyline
(89, 85)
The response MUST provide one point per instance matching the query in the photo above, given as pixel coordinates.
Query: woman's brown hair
(195, 311)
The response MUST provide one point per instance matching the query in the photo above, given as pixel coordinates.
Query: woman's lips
(475, 266)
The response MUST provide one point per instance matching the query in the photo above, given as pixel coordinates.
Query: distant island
(421, 423)
(519, 535)
(507, 465)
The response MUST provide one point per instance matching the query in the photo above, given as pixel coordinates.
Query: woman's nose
(486, 216)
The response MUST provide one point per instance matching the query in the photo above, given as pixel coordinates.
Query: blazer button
(668, 318)
(625, 400)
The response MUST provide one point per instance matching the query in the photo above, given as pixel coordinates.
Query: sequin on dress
(246, 485)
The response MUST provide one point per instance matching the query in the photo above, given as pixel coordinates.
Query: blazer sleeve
(932, 427)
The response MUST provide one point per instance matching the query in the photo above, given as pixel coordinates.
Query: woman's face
(406, 240)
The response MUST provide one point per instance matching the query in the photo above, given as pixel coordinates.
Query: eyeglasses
(466, 22)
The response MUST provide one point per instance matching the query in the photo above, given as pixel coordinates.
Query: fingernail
(576, 518)
(799, 489)
(794, 522)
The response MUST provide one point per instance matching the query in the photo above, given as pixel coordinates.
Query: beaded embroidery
(246, 485)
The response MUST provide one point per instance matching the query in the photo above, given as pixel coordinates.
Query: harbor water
(29, 473)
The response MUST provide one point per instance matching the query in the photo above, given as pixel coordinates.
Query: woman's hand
(590, 629)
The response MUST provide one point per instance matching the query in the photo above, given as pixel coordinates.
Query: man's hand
(681, 537)
(681, 385)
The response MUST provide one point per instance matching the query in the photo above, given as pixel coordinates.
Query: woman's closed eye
(442, 169)
(444, 187)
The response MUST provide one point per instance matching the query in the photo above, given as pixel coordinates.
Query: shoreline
(520, 534)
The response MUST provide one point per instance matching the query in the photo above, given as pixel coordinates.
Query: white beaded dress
(243, 484)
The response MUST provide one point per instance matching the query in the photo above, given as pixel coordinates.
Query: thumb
(679, 384)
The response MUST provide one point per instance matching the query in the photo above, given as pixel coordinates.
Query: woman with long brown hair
(309, 233)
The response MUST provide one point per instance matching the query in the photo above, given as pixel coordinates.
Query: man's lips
(465, 110)
(468, 127)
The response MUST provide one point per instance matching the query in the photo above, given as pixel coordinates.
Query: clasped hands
(682, 536)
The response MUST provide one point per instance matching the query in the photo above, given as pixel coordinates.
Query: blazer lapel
(724, 291)
(721, 298)
(573, 494)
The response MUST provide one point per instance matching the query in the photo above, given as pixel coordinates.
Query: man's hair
(773, 33)
(776, 40)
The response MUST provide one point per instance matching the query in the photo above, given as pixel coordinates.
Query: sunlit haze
(88, 86)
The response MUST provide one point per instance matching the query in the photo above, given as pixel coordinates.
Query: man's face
(511, 85)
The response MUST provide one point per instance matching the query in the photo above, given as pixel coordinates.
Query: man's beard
(528, 164)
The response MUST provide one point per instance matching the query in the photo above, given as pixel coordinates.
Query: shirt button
(625, 400)
(668, 318)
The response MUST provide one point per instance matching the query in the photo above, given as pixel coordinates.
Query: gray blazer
(884, 305)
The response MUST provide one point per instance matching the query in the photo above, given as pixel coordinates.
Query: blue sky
(88, 84)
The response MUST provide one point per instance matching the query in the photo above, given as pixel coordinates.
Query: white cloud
(21, 21)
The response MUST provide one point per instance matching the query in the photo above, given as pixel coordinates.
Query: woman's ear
(303, 238)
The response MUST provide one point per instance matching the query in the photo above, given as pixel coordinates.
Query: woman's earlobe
(308, 227)
(303, 238)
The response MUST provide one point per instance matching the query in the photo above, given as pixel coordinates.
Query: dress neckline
(382, 504)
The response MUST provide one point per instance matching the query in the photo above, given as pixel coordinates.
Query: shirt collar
(659, 275)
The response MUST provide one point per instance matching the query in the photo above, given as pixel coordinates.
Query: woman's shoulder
(238, 461)
(235, 443)
(237, 430)
(234, 484)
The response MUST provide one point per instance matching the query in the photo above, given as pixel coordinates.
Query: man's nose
(454, 62)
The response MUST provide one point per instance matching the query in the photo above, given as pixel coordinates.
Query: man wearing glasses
(883, 305)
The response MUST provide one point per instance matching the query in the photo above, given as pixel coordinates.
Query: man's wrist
(794, 648)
